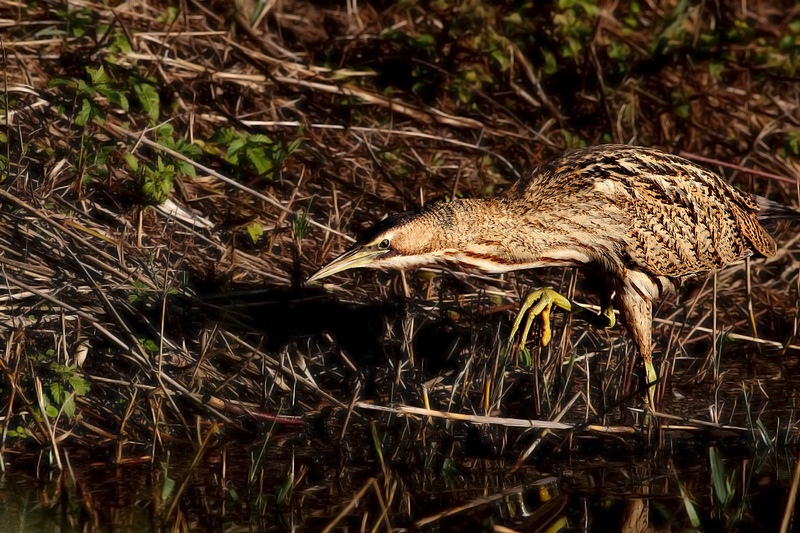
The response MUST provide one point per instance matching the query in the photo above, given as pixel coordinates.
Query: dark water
(305, 485)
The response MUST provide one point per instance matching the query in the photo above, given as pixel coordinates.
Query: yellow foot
(652, 378)
(610, 317)
(538, 303)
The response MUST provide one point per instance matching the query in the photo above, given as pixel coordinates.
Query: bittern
(638, 219)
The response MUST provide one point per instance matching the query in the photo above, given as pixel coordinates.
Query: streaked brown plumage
(637, 218)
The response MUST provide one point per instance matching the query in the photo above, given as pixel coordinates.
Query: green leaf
(683, 110)
(170, 16)
(284, 489)
(98, 76)
(132, 162)
(464, 94)
(500, 57)
(425, 40)
(188, 149)
(294, 145)
(715, 69)
(167, 487)
(300, 224)
(186, 168)
(85, 114)
(691, 512)
(165, 131)
(263, 163)
(120, 44)
(259, 138)
(149, 99)
(550, 63)
(224, 136)
(236, 146)
(60, 82)
(149, 345)
(57, 392)
(590, 9)
(113, 95)
(719, 481)
(69, 407)
(85, 88)
(255, 230)
(79, 385)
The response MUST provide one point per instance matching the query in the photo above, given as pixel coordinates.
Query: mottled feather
(666, 215)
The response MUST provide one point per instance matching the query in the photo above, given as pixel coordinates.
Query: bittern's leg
(637, 313)
(540, 302)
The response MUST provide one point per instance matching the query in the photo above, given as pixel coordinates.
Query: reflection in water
(328, 485)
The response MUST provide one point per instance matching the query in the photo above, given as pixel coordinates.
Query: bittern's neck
(497, 235)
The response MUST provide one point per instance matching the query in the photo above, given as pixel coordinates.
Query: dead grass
(189, 313)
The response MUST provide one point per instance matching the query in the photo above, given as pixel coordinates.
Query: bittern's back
(668, 216)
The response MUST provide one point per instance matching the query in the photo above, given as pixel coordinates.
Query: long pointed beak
(354, 258)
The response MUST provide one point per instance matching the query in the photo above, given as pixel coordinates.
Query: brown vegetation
(170, 176)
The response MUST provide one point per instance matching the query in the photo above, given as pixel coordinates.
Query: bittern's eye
(384, 244)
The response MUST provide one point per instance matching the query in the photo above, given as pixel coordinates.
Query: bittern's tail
(769, 210)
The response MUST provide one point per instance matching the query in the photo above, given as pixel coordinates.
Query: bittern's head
(405, 240)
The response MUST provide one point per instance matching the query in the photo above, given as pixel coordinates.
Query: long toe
(538, 303)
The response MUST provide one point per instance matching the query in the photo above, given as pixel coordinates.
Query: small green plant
(61, 384)
(255, 230)
(472, 78)
(77, 22)
(727, 507)
(21, 432)
(64, 388)
(86, 92)
(149, 344)
(791, 144)
(167, 484)
(572, 140)
(4, 164)
(119, 44)
(158, 180)
(139, 292)
(525, 357)
(89, 101)
(680, 102)
(285, 487)
(689, 506)
(170, 16)
(724, 484)
(673, 34)
(149, 99)
(574, 24)
(393, 162)
(300, 224)
(254, 150)
(165, 136)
